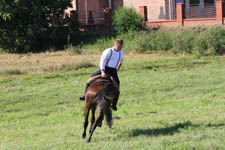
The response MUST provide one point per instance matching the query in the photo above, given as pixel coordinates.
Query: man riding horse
(110, 63)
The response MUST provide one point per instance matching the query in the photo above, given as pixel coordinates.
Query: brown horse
(101, 95)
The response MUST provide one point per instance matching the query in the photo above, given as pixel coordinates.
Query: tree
(25, 25)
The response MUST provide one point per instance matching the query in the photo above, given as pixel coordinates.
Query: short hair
(119, 41)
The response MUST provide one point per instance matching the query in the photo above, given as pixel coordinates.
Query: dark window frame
(209, 2)
(194, 2)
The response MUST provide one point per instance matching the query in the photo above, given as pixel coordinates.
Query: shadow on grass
(161, 131)
(176, 66)
(215, 125)
(168, 130)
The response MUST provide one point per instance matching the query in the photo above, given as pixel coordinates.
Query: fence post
(143, 12)
(107, 17)
(180, 17)
(219, 11)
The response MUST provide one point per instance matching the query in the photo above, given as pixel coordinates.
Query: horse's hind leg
(86, 113)
(92, 118)
(99, 119)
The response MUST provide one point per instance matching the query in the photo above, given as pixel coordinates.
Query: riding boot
(114, 107)
(83, 97)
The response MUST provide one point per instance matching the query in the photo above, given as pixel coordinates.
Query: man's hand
(103, 74)
(118, 68)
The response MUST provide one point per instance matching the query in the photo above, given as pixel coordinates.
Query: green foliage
(216, 40)
(196, 40)
(160, 41)
(105, 41)
(27, 26)
(202, 44)
(131, 38)
(183, 41)
(142, 42)
(126, 19)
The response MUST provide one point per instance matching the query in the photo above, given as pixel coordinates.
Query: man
(110, 63)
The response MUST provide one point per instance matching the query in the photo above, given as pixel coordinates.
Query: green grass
(165, 103)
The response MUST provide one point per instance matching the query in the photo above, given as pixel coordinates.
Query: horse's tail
(108, 114)
(105, 106)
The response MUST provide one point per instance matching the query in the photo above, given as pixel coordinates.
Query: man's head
(118, 45)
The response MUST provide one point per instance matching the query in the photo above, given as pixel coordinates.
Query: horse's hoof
(84, 135)
(89, 140)
(99, 124)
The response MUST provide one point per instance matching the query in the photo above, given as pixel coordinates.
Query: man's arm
(104, 58)
(120, 62)
(118, 68)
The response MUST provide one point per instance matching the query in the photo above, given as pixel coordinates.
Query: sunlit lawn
(165, 103)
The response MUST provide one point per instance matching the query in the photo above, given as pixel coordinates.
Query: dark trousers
(110, 71)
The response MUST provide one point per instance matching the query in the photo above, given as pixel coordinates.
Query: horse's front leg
(99, 119)
(92, 118)
(86, 113)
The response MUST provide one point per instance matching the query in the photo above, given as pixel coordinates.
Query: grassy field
(166, 103)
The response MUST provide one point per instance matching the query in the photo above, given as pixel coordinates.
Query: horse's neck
(98, 78)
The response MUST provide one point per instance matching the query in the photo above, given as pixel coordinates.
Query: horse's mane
(109, 80)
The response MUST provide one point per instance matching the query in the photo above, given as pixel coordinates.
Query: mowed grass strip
(165, 103)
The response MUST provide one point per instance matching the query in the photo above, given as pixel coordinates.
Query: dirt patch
(43, 61)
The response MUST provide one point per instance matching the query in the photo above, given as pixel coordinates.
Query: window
(194, 2)
(209, 2)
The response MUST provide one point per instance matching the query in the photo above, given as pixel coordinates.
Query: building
(92, 11)
(156, 12)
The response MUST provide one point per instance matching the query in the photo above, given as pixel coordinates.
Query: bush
(195, 40)
(198, 40)
(143, 42)
(201, 44)
(93, 40)
(210, 41)
(161, 40)
(184, 41)
(126, 19)
(216, 41)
